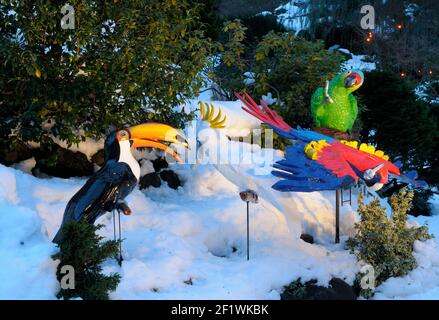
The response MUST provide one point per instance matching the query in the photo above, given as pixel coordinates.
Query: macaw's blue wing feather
(301, 174)
(411, 177)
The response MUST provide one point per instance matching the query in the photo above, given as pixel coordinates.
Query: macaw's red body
(344, 160)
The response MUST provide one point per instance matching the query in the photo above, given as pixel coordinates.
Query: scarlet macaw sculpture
(316, 162)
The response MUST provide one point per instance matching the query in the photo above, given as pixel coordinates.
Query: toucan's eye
(123, 135)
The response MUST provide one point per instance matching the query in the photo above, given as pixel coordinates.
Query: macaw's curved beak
(354, 80)
(157, 135)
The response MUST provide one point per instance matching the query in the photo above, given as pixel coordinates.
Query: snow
(420, 283)
(190, 243)
(358, 62)
(293, 16)
(422, 89)
(174, 236)
(25, 165)
(249, 78)
(88, 147)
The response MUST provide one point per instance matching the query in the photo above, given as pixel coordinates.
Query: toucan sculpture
(106, 190)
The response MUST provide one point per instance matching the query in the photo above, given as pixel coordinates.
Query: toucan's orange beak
(156, 135)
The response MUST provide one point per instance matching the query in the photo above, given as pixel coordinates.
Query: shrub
(400, 124)
(289, 67)
(259, 26)
(386, 243)
(296, 290)
(292, 68)
(80, 248)
(121, 64)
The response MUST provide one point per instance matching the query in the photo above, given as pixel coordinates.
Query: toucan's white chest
(127, 157)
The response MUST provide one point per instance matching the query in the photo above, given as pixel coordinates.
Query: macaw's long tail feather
(271, 118)
(411, 177)
(266, 115)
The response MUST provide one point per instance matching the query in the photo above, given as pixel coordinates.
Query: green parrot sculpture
(334, 107)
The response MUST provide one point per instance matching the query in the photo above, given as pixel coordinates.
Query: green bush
(290, 68)
(259, 26)
(122, 64)
(80, 248)
(296, 290)
(400, 124)
(386, 243)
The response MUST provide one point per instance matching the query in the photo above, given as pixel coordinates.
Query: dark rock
(307, 238)
(98, 158)
(171, 178)
(150, 179)
(60, 162)
(337, 290)
(159, 164)
(13, 152)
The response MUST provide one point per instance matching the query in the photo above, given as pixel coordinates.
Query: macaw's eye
(373, 183)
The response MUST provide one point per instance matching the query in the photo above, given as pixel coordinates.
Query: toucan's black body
(106, 190)
(103, 191)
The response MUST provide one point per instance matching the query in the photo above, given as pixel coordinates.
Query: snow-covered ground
(190, 243)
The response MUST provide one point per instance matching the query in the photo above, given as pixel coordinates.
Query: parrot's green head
(351, 80)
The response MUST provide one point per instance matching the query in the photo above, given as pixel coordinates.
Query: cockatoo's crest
(208, 114)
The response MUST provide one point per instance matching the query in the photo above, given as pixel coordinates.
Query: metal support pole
(248, 232)
(120, 241)
(120, 258)
(248, 196)
(337, 216)
(350, 196)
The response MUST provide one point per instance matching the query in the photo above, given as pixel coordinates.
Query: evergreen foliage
(400, 124)
(289, 67)
(81, 248)
(122, 64)
(386, 243)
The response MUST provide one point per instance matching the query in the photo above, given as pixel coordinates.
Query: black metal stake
(120, 241)
(248, 196)
(120, 258)
(248, 232)
(337, 216)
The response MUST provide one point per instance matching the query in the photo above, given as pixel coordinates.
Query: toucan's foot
(122, 206)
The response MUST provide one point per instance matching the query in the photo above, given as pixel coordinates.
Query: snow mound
(186, 243)
(358, 62)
